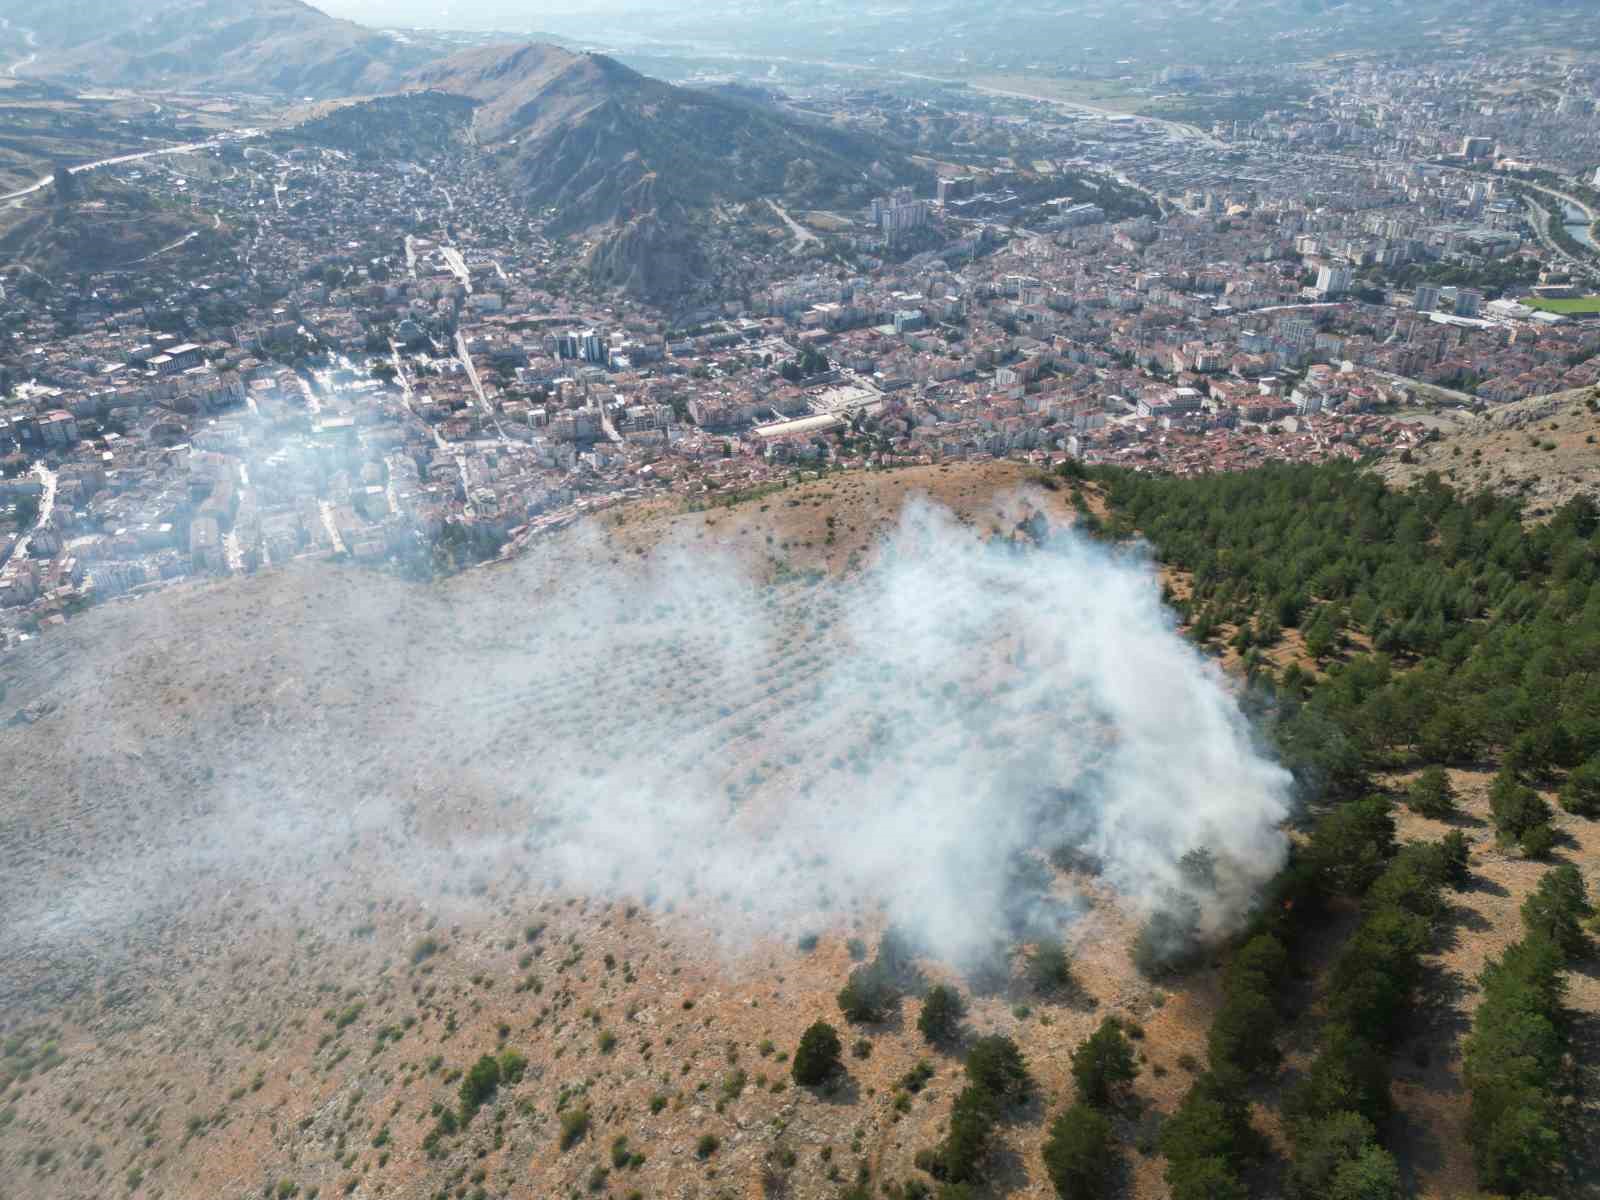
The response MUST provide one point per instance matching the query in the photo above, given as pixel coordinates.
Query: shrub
(942, 1011)
(1102, 1063)
(1349, 1075)
(1515, 807)
(512, 1066)
(478, 1084)
(1078, 1154)
(574, 1125)
(1512, 1063)
(1580, 794)
(1430, 794)
(1169, 940)
(1241, 1034)
(1538, 840)
(1049, 967)
(817, 1056)
(1207, 1139)
(1321, 1147)
(1352, 844)
(1454, 855)
(1557, 909)
(996, 1065)
(706, 1146)
(966, 1143)
(868, 994)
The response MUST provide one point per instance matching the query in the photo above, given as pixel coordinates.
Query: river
(1577, 224)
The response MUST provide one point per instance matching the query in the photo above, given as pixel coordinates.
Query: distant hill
(604, 146)
(268, 46)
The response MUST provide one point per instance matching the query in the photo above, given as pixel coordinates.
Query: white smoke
(910, 742)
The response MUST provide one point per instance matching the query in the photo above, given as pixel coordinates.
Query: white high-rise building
(1333, 280)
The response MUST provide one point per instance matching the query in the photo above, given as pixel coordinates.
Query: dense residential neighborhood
(395, 361)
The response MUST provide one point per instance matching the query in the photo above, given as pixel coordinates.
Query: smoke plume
(911, 743)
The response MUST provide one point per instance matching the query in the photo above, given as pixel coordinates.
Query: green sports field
(1581, 304)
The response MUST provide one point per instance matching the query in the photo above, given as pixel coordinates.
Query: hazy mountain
(602, 145)
(239, 45)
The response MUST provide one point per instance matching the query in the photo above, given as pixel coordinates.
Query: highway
(188, 148)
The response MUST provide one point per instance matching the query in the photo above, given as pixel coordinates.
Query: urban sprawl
(394, 363)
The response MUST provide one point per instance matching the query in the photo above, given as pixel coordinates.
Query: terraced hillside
(293, 852)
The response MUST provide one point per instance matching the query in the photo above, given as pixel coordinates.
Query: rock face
(267, 46)
(605, 148)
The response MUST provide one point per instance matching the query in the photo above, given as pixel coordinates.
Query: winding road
(32, 40)
(47, 504)
(186, 148)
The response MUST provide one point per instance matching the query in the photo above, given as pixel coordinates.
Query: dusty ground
(204, 997)
(1430, 1126)
(1546, 448)
(273, 879)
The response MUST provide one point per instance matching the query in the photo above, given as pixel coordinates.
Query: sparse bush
(512, 1066)
(817, 1056)
(1050, 968)
(939, 1022)
(706, 1146)
(1103, 1063)
(996, 1065)
(574, 1125)
(1430, 794)
(868, 994)
(478, 1085)
(1169, 940)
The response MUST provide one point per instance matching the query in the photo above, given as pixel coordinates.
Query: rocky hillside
(265, 46)
(1544, 448)
(411, 126)
(604, 147)
(106, 227)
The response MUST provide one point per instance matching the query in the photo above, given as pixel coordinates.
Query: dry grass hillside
(269, 896)
(1545, 448)
(281, 865)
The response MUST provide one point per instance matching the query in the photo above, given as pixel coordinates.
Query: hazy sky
(479, 14)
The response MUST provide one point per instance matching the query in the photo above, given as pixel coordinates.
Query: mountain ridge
(270, 46)
(601, 146)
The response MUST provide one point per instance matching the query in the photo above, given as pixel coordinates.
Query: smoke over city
(911, 744)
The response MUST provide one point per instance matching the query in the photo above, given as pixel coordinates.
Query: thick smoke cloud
(910, 744)
(976, 708)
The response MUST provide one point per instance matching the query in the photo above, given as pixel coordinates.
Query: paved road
(47, 504)
(1541, 226)
(801, 233)
(32, 39)
(477, 386)
(457, 265)
(188, 148)
(1179, 128)
(332, 526)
